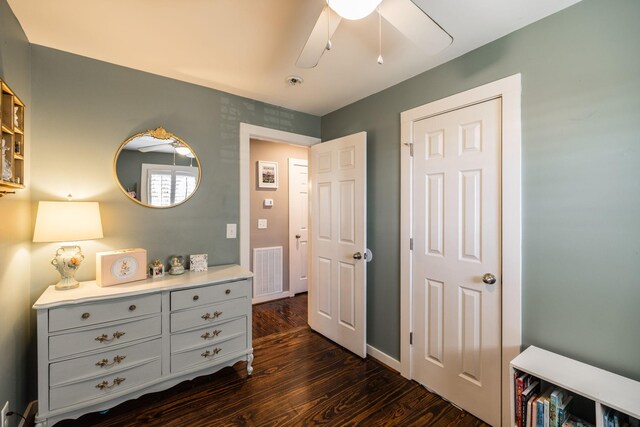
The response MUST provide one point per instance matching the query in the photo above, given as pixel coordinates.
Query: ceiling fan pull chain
(380, 60)
(328, 46)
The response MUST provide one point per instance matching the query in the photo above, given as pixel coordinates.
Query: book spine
(546, 413)
(519, 390)
(540, 421)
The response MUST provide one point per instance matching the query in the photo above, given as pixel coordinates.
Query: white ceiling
(249, 47)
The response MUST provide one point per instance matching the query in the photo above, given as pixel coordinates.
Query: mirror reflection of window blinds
(167, 185)
(159, 188)
(185, 185)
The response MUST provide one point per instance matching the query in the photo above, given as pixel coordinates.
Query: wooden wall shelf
(12, 147)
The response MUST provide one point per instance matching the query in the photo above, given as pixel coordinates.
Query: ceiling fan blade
(317, 42)
(415, 25)
(153, 147)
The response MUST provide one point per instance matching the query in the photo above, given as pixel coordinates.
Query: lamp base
(67, 261)
(67, 283)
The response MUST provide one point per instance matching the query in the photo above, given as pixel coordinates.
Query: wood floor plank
(300, 379)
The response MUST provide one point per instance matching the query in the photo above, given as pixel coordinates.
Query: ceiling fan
(404, 15)
(168, 143)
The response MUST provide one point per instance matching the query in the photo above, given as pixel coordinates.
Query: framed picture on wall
(267, 174)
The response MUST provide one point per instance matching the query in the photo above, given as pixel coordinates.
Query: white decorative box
(121, 266)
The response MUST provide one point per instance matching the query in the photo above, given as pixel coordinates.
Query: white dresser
(98, 347)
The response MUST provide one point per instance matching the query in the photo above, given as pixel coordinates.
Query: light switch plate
(232, 231)
(268, 203)
(262, 224)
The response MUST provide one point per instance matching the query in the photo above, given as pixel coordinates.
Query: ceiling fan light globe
(353, 9)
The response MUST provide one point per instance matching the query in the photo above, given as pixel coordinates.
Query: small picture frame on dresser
(156, 269)
(198, 262)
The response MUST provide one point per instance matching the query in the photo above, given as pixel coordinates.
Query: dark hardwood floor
(300, 379)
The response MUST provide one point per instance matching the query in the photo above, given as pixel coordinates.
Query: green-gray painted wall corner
(581, 174)
(15, 232)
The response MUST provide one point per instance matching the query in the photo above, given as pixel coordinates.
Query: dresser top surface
(90, 291)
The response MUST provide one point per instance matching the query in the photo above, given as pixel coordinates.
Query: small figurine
(177, 265)
(156, 269)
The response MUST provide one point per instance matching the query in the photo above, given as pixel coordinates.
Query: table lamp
(67, 222)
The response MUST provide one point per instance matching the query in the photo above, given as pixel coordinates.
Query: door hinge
(410, 338)
(411, 150)
(411, 243)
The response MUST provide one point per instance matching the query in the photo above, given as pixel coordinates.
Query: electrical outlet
(3, 415)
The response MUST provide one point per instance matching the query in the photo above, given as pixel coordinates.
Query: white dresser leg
(249, 361)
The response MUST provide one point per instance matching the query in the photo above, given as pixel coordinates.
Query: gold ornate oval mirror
(157, 169)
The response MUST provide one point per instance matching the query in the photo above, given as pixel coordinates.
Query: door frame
(509, 90)
(248, 132)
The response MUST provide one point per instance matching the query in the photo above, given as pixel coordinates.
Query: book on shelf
(613, 418)
(530, 418)
(540, 403)
(554, 400)
(562, 410)
(521, 381)
(574, 421)
(527, 395)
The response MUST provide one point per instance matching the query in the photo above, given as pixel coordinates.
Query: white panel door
(298, 224)
(456, 230)
(337, 297)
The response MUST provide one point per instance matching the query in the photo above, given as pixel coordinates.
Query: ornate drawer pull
(105, 384)
(196, 297)
(228, 291)
(85, 316)
(105, 337)
(104, 363)
(208, 316)
(211, 353)
(132, 307)
(208, 335)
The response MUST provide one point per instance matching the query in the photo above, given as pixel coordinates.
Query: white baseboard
(271, 297)
(383, 358)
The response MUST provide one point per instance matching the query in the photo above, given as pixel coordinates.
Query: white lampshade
(353, 9)
(67, 222)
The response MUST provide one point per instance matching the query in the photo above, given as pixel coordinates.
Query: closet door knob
(489, 279)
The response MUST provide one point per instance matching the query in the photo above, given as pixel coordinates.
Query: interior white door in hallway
(337, 288)
(298, 224)
(456, 319)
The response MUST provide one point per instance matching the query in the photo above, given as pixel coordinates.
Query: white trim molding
(272, 297)
(509, 90)
(383, 358)
(248, 132)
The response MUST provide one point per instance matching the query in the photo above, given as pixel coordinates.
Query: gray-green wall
(581, 179)
(15, 232)
(82, 111)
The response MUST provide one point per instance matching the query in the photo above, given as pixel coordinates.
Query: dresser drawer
(209, 314)
(100, 387)
(74, 316)
(207, 354)
(209, 294)
(72, 343)
(209, 335)
(103, 363)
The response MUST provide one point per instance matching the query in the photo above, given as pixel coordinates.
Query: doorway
(442, 223)
(264, 202)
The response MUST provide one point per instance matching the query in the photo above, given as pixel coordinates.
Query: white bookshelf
(603, 388)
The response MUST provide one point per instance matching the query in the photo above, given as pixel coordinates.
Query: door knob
(298, 236)
(489, 278)
(357, 255)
